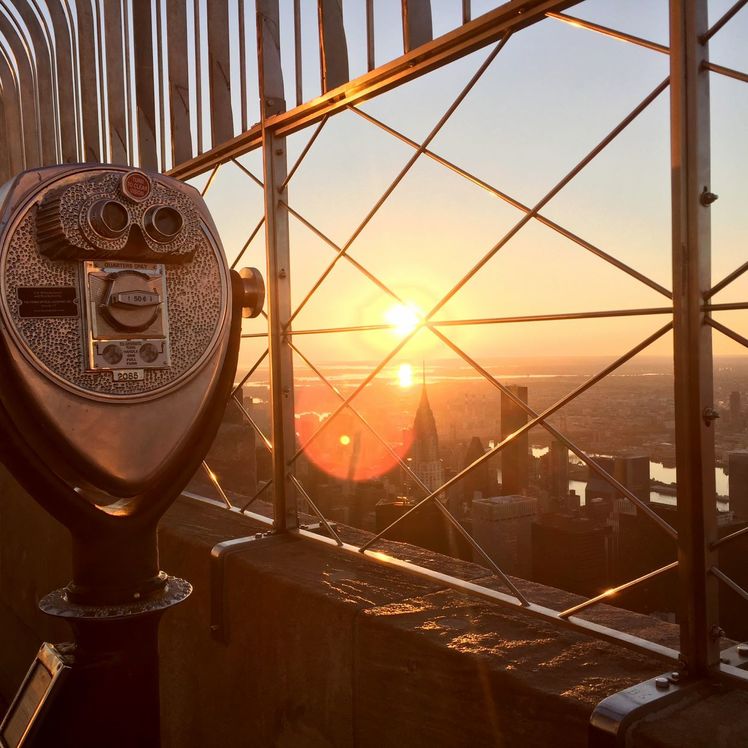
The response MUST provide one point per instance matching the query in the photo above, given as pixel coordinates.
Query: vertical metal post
(692, 338)
(275, 168)
(145, 103)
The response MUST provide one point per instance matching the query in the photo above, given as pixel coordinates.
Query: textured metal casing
(105, 436)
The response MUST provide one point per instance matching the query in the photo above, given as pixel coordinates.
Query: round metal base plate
(57, 604)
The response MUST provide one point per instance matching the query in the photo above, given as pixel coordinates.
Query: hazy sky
(548, 98)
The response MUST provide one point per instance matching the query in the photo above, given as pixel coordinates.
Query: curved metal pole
(26, 88)
(66, 76)
(46, 93)
(88, 82)
(5, 172)
(13, 115)
(115, 82)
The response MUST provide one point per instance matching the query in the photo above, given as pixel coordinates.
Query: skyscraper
(502, 526)
(424, 451)
(515, 459)
(736, 414)
(738, 483)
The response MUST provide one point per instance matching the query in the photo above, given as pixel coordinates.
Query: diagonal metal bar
(210, 180)
(617, 130)
(606, 31)
(353, 328)
(391, 188)
(252, 235)
(256, 495)
(726, 16)
(316, 510)
(302, 155)
(733, 276)
(559, 436)
(727, 331)
(732, 584)
(266, 442)
(729, 538)
(476, 546)
(729, 72)
(250, 372)
(216, 484)
(615, 590)
(540, 419)
(517, 204)
(341, 253)
(255, 179)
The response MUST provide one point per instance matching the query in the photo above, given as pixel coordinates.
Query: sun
(404, 318)
(405, 376)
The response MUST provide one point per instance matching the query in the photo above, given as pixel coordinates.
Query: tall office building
(482, 480)
(571, 553)
(427, 527)
(737, 466)
(502, 526)
(554, 470)
(515, 457)
(632, 471)
(736, 414)
(424, 450)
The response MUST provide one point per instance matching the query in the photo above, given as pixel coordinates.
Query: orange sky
(549, 97)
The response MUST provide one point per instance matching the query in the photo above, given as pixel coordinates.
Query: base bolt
(662, 683)
(742, 649)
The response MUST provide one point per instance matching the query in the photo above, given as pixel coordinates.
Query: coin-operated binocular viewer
(120, 324)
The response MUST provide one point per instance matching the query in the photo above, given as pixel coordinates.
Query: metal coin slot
(108, 218)
(131, 303)
(162, 223)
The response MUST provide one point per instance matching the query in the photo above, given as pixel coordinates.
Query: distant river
(658, 472)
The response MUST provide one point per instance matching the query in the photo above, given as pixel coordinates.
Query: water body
(658, 472)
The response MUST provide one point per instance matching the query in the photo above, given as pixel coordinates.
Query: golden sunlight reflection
(405, 375)
(379, 555)
(404, 318)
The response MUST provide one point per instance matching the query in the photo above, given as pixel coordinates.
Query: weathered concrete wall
(329, 649)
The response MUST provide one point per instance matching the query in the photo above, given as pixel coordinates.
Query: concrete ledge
(329, 649)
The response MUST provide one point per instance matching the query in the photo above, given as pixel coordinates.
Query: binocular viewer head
(119, 330)
(126, 216)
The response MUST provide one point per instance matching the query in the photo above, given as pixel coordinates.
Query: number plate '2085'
(128, 375)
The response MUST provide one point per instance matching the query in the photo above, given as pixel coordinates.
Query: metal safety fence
(169, 126)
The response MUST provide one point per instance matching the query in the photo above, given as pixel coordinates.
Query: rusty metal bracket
(613, 717)
(218, 555)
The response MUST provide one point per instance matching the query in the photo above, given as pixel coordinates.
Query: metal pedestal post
(111, 694)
